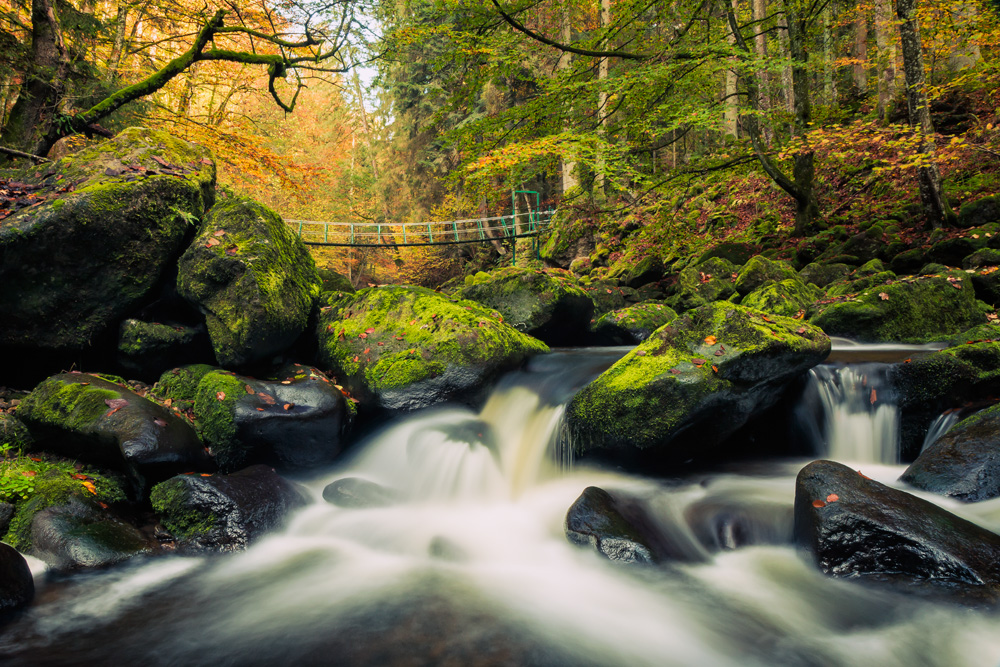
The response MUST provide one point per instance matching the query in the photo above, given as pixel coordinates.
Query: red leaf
(715, 369)
(363, 336)
(212, 242)
(248, 388)
(832, 498)
(157, 159)
(205, 160)
(367, 350)
(356, 359)
(28, 473)
(288, 406)
(370, 330)
(873, 397)
(115, 402)
(818, 503)
(219, 232)
(221, 395)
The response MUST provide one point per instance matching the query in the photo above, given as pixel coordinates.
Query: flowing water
(467, 564)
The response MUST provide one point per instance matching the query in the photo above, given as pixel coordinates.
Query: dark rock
(356, 493)
(74, 266)
(17, 587)
(224, 512)
(645, 271)
(760, 271)
(546, 305)
(951, 252)
(6, 514)
(254, 280)
(724, 524)
(694, 382)
(14, 435)
(620, 529)
(986, 282)
(980, 212)
(147, 349)
(294, 422)
(982, 257)
(857, 284)
(568, 242)
(856, 527)
(632, 324)
(910, 310)
(822, 275)
(90, 419)
(78, 535)
(964, 463)
(648, 292)
(909, 261)
(404, 348)
(608, 296)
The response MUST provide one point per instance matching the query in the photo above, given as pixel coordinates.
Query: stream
(464, 561)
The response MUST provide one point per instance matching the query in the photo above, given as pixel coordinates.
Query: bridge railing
(470, 230)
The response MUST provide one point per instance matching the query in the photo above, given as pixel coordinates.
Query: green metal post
(352, 233)
(430, 234)
(300, 229)
(404, 233)
(454, 226)
(326, 233)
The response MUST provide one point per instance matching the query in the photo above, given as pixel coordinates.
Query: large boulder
(294, 422)
(980, 212)
(909, 310)
(17, 587)
(760, 271)
(711, 280)
(546, 305)
(111, 219)
(253, 279)
(224, 512)
(964, 463)
(693, 382)
(147, 349)
(856, 527)
(404, 348)
(789, 298)
(631, 325)
(90, 419)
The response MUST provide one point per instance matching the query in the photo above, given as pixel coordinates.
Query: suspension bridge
(526, 224)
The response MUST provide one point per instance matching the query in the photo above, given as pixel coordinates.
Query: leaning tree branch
(29, 156)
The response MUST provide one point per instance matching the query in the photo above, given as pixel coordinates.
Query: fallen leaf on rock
(641, 353)
(115, 402)
(818, 503)
(799, 315)
(832, 498)
(212, 242)
(248, 388)
(288, 406)
(715, 369)
(873, 397)
(710, 340)
(90, 487)
(219, 232)
(883, 296)
(220, 395)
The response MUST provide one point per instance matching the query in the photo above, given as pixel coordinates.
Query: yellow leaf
(90, 487)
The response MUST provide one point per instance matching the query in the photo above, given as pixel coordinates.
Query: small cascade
(940, 426)
(850, 412)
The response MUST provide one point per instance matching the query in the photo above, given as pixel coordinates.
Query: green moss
(67, 405)
(214, 407)
(14, 435)
(170, 501)
(711, 280)
(760, 271)
(789, 298)
(861, 284)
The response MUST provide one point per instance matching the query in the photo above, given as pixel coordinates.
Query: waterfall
(941, 425)
(851, 413)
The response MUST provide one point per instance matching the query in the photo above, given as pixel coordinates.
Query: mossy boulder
(822, 275)
(981, 258)
(964, 463)
(546, 305)
(113, 218)
(737, 253)
(608, 296)
(980, 212)
(296, 421)
(93, 420)
(647, 270)
(17, 587)
(14, 435)
(147, 349)
(858, 528)
(253, 279)
(224, 513)
(334, 282)
(568, 241)
(945, 380)
(711, 280)
(404, 348)
(760, 271)
(788, 298)
(179, 386)
(693, 382)
(857, 283)
(986, 282)
(951, 252)
(909, 310)
(908, 261)
(632, 324)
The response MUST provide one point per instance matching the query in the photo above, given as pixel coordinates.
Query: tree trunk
(730, 117)
(118, 44)
(569, 179)
(886, 58)
(37, 103)
(759, 12)
(806, 208)
(860, 54)
(602, 98)
(920, 114)
(786, 72)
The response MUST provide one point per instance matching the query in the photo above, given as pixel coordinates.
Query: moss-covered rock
(986, 281)
(147, 349)
(608, 296)
(856, 284)
(224, 512)
(113, 219)
(14, 435)
(788, 298)
(296, 421)
(568, 241)
(632, 324)
(647, 270)
(964, 463)
(694, 382)
(91, 419)
(760, 271)
(334, 282)
(547, 305)
(980, 212)
(908, 261)
(252, 278)
(180, 385)
(982, 257)
(822, 275)
(403, 348)
(737, 253)
(711, 280)
(910, 310)
(951, 252)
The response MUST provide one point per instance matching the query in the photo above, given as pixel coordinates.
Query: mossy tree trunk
(920, 113)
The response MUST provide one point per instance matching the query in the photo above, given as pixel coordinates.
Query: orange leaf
(367, 350)
(818, 503)
(79, 476)
(288, 406)
(832, 498)
(248, 388)
(710, 340)
(873, 397)
(90, 487)
(715, 369)
(28, 473)
(221, 395)
(206, 474)
(765, 318)
(35, 458)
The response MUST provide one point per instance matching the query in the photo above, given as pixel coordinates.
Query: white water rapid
(467, 563)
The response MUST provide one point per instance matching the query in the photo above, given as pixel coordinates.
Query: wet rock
(619, 528)
(357, 493)
(253, 279)
(6, 514)
(147, 349)
(79, 535)
(910, 310)
(14, 435)
(760, 271)
(90, 419)
(964, 463)
(546, 305)
(404, 348)
(857, 527)
(709, 281)
(17, 588)
(106, 233)
(225, 512)
(298, 420)
(632, 324)
(693, 383)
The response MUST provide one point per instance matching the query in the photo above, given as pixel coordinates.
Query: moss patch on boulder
(403, 348)
(788, 298)
(711, 280)
(632, 324)
(252, 278)
(760, 271)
